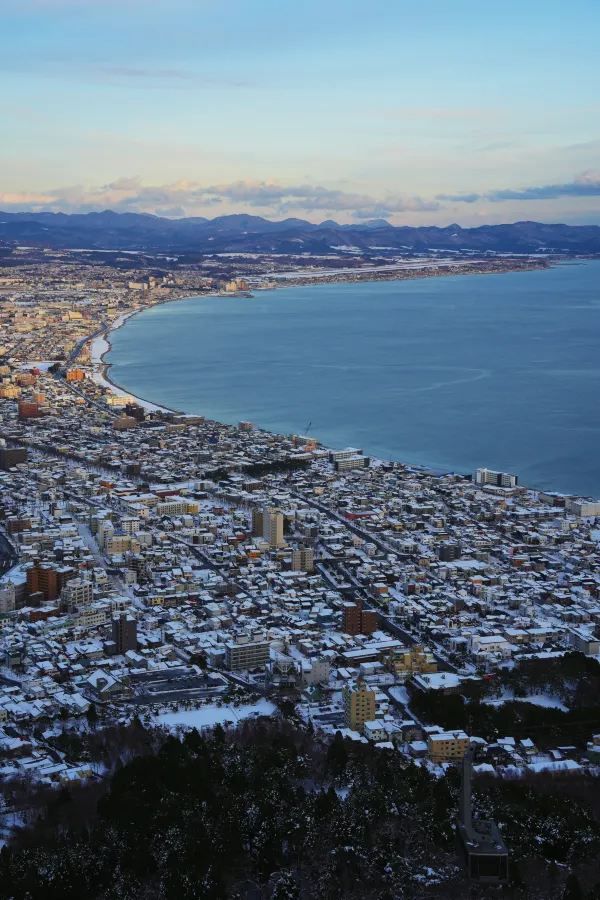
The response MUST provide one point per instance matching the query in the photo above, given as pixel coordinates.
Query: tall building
(356, 620)
(77, 592)
(7, 598)
(412, 660)
(135, 411)
(303, 559)
(447, 746)
(27, 409)
(247, 652)
(449, 551)
(47, 579)
(359, 705)
(273, 526)
(499, 479)
(257, 522)
(123, 423)
(124, 632)
(11, 457)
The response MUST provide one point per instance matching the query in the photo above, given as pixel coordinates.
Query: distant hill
(246, 233)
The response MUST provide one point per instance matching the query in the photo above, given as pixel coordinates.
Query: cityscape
(299, 469)
(169, 569)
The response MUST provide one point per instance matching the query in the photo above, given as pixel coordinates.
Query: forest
(272, 810)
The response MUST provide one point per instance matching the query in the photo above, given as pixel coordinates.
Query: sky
(417, 112)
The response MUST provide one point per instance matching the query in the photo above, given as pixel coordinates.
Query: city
(189, 572)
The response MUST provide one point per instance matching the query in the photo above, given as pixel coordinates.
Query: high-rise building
(124, 632)
(77, 592)
(359, 705)
(257, 522)
(303, 559)
(356, 620)
(47, 579)
(273, 526)
(247, 651)
(11, 457)
(135, 411)
(408, 661)
(7, 598)
(27, 409)
(499, 479)
(449, 551)
(123, 423)
(485, 853)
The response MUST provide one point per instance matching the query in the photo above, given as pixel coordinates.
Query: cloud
(273, 199)
(459, 198)
(587, 184)
(128, 194)
(311, 198)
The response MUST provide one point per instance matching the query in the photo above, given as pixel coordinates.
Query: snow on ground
(548, 701)
(390, 267)
(400, 694)
(551, 765)
(98, 347)
(42, 365)
(99, 379)
(207, 716)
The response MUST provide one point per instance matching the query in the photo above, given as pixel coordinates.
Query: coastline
(102, 345)
(406, 272)
(101, 367)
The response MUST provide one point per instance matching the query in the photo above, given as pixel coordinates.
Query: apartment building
(359, 705)
(303, 559)
(77, 592)
(273, 526)
(447, 746)
(247, 651)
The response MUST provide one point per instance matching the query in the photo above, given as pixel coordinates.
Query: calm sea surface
(450, 373)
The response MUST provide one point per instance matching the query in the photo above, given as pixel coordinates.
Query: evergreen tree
(572, 889)
(337, 755)
(92, 715)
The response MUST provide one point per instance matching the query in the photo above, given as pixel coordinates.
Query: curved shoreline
(395, 274)
(102, 366)
(119, 389)
(103, 376)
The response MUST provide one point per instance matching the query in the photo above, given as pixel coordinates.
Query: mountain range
(253, 234)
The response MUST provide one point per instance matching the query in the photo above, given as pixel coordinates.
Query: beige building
(120, 543)
(273, 526)
(359, 705)
(447, 746)
(177, 506)
(411, 660)
(77, 592)
(247, 651)
(92, 616)
(303, 559)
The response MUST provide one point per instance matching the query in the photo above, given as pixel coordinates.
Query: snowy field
(210, 715)
(548, 701)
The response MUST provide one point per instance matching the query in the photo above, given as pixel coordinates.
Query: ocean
(450, 373)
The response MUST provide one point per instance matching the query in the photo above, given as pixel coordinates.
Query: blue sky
(418, 112)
